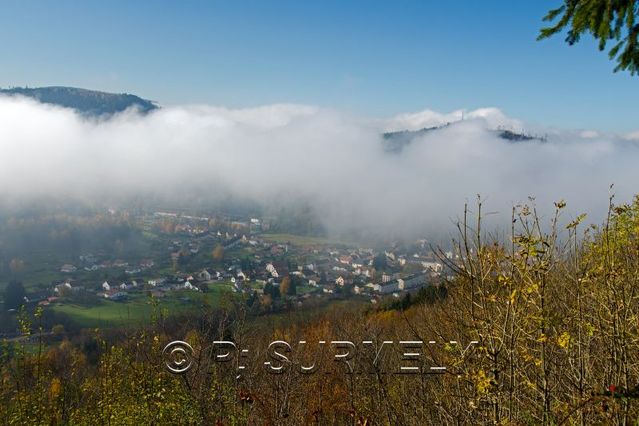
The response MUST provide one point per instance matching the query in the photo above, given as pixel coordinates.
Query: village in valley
(200, 258)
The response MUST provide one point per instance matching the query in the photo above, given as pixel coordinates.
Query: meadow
(139, 309)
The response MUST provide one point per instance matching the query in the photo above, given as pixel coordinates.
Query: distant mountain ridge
(94, 103)
(86, 102)
(396, 141)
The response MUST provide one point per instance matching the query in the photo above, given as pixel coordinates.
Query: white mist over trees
(279, 155)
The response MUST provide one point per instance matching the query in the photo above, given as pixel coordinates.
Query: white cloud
(280, 154)
(493, 117)
(632, 135)
(589, 134)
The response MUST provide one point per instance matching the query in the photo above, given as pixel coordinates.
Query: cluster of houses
(334, 270)
(119, 292)
(331, 270)
(90, 263)
(322, 269)
(201, 225)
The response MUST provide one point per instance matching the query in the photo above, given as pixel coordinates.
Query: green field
(300, 240)
(305, 289)
(138, 309)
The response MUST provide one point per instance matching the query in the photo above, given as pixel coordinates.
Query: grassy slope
(299, 240)
(138, 310)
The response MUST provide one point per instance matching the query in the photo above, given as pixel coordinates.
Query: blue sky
(371, 58)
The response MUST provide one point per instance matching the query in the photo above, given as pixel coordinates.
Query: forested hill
(397, 140)
(86, 102)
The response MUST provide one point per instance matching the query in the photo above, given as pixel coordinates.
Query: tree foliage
(14, 295)
(607, 21)
(285, 286)
(553, 309)
(218, 253)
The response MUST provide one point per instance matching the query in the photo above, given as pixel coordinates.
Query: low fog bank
(284, 155)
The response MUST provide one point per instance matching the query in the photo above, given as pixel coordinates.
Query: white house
(62, 287)
(387, 287)
(433, 266)
(67, 269)
(271, 270)
(204, 275)
(188, 286)
(412, 281)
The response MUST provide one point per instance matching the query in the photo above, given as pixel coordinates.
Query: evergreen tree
(606, 21)
(14, 295)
